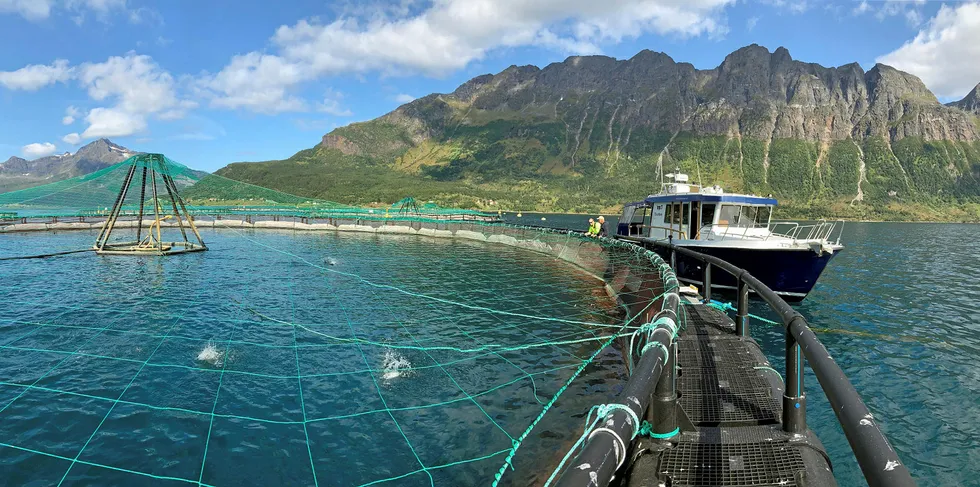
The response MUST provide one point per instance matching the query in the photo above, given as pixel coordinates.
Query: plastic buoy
(518, 215)
(543, 218)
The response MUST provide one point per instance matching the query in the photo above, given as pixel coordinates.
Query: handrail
(792, 230)
(878, 460)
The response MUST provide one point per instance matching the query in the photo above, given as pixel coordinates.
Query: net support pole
(156, 212)
(187, 215)
(103, 237)
(139, 216)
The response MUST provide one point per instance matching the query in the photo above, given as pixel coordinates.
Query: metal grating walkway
(733, 399)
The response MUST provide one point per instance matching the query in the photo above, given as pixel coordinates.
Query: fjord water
(898, 310)
(237, 366)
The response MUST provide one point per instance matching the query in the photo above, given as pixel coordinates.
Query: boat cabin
(689, 212)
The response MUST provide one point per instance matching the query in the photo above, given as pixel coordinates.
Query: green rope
(646, 429)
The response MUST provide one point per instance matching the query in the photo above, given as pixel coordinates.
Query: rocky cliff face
(753, 92)
(594, 128)
(18, 173)
(970, 103)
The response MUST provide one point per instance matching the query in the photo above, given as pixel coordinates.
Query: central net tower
(149, 204)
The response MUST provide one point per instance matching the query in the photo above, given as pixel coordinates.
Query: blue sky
(214, 82)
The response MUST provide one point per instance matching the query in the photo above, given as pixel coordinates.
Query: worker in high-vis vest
(593, 228)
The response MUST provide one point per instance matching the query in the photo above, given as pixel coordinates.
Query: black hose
(42, 256)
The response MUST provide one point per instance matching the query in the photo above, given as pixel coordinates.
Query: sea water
(291, 358)
(898, 310)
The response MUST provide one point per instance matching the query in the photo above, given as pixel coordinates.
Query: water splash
(211, 354)
(394, 365)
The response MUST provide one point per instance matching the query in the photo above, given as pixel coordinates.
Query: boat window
(677, 213)
(628, 213)
(744, 216)
(729, 215)
(667, 214)
(748, 215)
(707, 214)
(639, 216)
(686, 213)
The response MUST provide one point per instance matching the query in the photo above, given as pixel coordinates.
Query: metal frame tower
(164, 203)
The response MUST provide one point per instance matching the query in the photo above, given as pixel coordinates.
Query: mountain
(971, 102)
(592, 132)
(17, 173)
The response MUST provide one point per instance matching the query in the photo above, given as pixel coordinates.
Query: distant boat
(786, 256)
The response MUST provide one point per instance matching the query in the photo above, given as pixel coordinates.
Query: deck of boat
(733, 398)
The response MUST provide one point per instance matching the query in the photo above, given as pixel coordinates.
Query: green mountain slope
(593, 132)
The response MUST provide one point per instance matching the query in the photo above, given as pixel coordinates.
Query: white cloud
(70, 113)
(112, 122)
(135, 86)
(751, 23)
(138, 87)
(794, 6)
(943, 53)
(29, 9)
(884, 9)
(36, 76)
(442, 37)
(403, 98)
(36, 150)
(72, 138)
(102, 9)
(331, 104)
(257, 82)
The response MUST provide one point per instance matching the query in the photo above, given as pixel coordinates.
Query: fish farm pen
(315, 343)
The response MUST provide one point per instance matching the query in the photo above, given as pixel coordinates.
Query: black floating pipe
(878, 460)
(607, 446)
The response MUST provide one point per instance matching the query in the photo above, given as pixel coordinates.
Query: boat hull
(791, 273)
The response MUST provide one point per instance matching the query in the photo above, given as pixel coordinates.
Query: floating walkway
(731, 397)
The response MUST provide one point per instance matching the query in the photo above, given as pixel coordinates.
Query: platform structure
(731, 432)
(154, 196)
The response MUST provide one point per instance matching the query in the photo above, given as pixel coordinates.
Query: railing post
(662, 413)
(794, 397)
(707, 282)
(742, 315)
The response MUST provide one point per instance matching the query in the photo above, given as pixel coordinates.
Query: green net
(204, 193)
(376, 356)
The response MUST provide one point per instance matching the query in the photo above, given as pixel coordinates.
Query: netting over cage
(317, 358)
(205, 194)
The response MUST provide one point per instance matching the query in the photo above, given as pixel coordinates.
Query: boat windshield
(744, 216)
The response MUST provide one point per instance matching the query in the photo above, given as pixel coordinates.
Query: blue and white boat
(786, 256)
